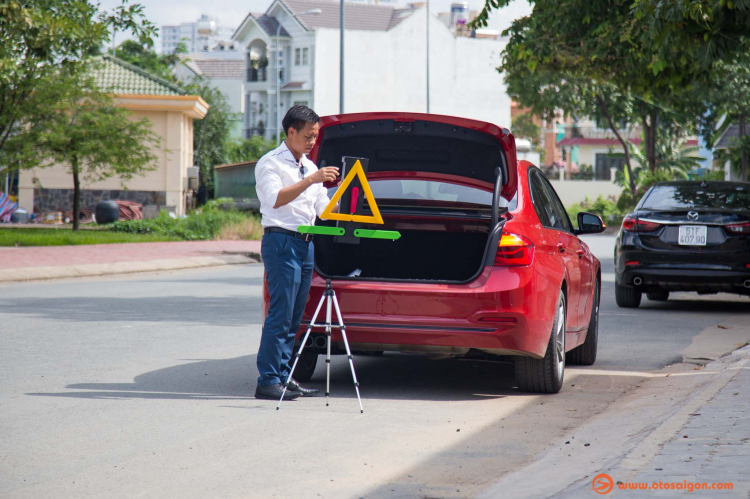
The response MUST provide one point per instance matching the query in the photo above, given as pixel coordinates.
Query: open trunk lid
(413, 142)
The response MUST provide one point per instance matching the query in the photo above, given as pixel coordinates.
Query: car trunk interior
(437, 243)
(428, 250)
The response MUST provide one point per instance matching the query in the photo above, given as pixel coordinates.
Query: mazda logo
(692, 215)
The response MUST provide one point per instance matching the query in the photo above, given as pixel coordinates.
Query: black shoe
(306, 392)
(273, 392)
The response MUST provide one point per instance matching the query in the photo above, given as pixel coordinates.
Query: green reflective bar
(321, 230)
(377, 234)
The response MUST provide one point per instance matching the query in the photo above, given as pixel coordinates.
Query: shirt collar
(288, 154)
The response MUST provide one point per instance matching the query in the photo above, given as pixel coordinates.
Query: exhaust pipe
(320, 342)
(310, 342)
(746, 284)
(637, 280)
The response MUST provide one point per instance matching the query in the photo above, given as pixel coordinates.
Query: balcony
(256, 75)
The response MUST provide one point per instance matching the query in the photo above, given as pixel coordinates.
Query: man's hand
(325, 174)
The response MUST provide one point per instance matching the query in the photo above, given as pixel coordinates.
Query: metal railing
(256, 74)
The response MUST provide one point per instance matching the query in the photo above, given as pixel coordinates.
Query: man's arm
(289, 194)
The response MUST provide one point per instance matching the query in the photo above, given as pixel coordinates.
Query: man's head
(301, 125)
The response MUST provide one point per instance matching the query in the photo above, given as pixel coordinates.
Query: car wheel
(627, 297)
(545, 375)
(306, 366)
(658, 295)
(585, 354)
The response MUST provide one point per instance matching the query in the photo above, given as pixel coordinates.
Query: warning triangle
(356, 171)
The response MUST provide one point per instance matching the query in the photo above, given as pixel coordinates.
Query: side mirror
(588, 223)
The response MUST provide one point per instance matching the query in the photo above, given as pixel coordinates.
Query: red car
(488, 264)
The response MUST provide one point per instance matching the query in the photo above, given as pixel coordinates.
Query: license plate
(693, 235)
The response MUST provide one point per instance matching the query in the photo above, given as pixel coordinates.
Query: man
(291, 192)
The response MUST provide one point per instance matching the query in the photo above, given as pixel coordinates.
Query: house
(202, 38)
(727, 140)
(384, 58)
(223, 75)
(171, 113)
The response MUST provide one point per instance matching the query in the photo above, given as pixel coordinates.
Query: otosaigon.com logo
(603, 484)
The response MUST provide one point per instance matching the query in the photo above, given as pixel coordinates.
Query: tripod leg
(328, 345)
(348, 352)
(299, 352)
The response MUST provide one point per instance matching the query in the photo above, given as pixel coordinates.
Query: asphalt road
(142, 385)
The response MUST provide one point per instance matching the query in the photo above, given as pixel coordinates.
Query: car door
(571, 252)
(561, 245)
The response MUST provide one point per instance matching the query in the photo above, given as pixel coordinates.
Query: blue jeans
(289, 264)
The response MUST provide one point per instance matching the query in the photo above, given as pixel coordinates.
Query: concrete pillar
(175, 143)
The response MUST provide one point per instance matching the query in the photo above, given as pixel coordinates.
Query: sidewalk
(53, 262)
(681, 431)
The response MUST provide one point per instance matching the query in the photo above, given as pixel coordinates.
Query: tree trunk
(624, 143)
(649, 134)
(76, 195)
(744, 149)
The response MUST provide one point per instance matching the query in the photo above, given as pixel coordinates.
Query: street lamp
(312, 12)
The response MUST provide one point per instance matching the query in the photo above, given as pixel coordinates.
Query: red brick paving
(54, 256)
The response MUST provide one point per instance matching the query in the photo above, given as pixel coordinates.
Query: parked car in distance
(685, 236)
(488, 264)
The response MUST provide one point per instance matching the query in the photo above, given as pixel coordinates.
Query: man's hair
(297, 117)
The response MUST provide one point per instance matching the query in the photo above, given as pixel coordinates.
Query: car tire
(585, 354)
(627, 297)
(545, 375)
(306, 366)
(658, 295)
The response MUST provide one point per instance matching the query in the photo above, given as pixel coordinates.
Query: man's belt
(298, 235)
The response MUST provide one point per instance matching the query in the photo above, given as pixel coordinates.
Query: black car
(685, 236)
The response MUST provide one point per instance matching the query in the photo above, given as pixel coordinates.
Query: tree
(604, 43)
(83, 130)
(41, 38)
(251, 149)
(142, 54)
(523, 126)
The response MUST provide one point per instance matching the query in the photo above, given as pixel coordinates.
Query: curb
(101, 269)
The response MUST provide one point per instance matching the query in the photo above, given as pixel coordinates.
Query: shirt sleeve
(322, 199)
(267, 183)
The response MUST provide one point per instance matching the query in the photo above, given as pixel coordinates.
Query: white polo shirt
(279, 169)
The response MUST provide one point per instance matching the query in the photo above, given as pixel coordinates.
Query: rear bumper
(681, 277)
(444, 318)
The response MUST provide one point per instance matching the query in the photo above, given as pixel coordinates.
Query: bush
(205, 223)
(604, 207)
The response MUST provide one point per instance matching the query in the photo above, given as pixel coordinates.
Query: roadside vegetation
(65, 236)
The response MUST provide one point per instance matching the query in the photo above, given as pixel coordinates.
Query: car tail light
(513, 251)
(738, 228)
(632, 224)
(632, 262)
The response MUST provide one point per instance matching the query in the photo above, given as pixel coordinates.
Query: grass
(66, 237)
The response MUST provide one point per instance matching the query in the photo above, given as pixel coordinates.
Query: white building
(203, 38)
(384, 57)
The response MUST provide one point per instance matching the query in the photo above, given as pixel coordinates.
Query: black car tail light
(743, 229)
(632, 224)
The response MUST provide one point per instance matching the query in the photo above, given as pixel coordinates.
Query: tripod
(329, 296)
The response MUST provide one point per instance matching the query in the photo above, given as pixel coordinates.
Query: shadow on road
(392, 377)
(226, 310)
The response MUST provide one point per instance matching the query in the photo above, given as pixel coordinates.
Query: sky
(232, 12)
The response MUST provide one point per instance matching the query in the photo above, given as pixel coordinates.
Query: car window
(561, 221)
(427, 190)
(715, 195)
(539, 199)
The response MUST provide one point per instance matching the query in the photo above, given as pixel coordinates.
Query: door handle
(561, 247)
(579, 252)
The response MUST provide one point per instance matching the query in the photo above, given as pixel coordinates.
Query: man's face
(303, 141)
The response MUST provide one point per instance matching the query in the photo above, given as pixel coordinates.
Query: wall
(385, 71)
(575, 191)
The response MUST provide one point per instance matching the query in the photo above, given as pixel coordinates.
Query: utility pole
(428, 55)
(341, 63)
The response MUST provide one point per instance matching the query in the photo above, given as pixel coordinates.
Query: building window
(296, 57)
(305, 54)
(603, 164)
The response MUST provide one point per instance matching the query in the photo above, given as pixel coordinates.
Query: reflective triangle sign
(356, 171)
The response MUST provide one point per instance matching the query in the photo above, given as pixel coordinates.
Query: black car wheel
(627, 297)
(585, 354)
(658, 295)
(545, 375)
(306, 366)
